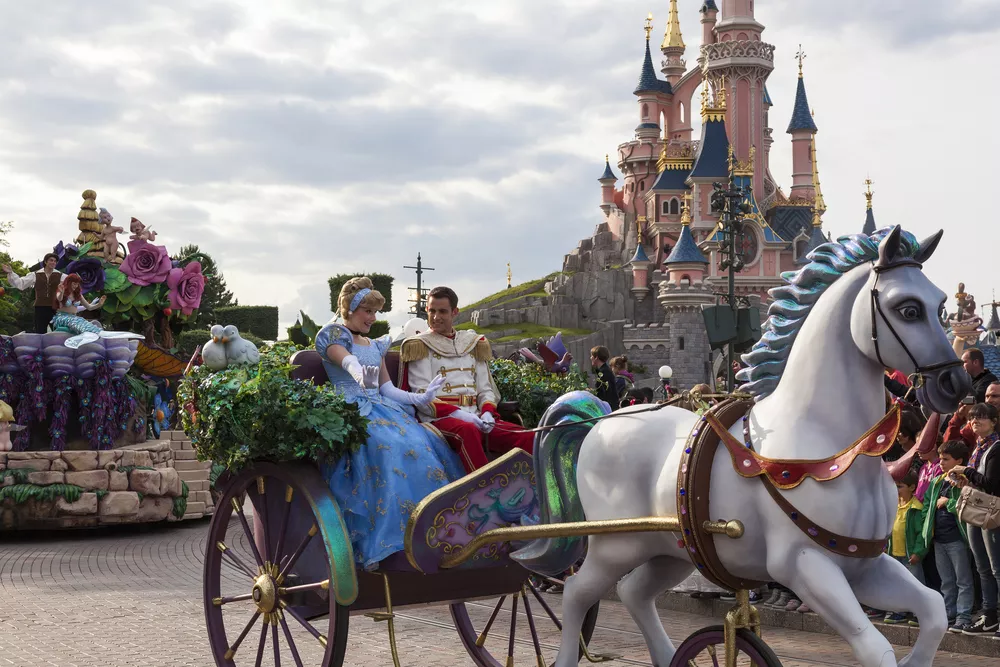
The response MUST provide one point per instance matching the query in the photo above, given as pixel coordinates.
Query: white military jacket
(464, 362)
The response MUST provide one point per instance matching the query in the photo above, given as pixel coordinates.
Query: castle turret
(686, 260)
(869, 227)
(673, 48)
(709, 13)
(649, 90)
(607, 181)
(802, 128)
(816, 237)
(640, 265)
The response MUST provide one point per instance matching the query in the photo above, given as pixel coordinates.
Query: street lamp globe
(666, 372)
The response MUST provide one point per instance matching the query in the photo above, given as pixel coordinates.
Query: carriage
(280, 583)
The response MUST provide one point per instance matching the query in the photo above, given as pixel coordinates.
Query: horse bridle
(917, 377)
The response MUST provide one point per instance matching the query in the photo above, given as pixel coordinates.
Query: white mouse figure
(214, 352)
(239, 350)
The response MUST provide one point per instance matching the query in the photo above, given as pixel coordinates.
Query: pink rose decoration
(146, 264)
(186, 287)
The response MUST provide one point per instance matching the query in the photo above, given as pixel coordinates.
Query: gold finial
(649, 25)
(713, 103)
(661, 164)
(508, 275)
(869, 193)
(800, 56)
(819, 207)
(686, 211)
(731, 159)
(607, 158)
(673, 39)
(746, 168)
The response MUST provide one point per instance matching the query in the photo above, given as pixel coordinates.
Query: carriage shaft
(651, 524)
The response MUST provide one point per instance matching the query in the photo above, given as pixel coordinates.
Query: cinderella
(402, 461)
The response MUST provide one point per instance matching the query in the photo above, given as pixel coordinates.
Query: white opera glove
(351, 364)
(464, 416)
(488, 422)
(370, 375)
(411, 397)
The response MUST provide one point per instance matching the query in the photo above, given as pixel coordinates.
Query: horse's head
(896, 323)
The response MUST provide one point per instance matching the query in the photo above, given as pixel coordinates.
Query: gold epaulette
(482, 351)
(412, 350)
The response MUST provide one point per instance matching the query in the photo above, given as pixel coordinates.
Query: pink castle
(668, 174)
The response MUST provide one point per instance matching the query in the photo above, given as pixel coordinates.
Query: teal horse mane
(793, 302)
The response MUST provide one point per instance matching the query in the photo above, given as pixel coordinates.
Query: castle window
(645, 111)
(666, 207)
(683, 120)
(675, 206)
(642, 185)
(680, 343)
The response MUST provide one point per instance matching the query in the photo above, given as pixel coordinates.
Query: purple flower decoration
(91, 273)
(146, 264)
(186, 287)
(65, 254)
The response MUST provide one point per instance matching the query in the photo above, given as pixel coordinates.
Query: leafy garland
(533, 387)
(249, 413)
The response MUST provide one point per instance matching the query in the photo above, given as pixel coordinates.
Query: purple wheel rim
(532, 616)
(267, 522)
(747, 644)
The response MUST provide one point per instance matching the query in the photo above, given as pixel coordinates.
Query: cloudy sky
(295, 139)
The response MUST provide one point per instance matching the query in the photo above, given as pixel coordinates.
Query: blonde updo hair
(373, 299)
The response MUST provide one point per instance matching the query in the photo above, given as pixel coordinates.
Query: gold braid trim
(412, 350)
(482, 351)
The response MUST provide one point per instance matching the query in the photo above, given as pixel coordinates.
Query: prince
(465, 408)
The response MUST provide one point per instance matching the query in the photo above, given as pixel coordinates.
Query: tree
(216, 294)
(16, 308)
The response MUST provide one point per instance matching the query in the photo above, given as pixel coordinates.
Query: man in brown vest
(45, 281)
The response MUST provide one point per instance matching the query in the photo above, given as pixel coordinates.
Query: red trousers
(467, 440)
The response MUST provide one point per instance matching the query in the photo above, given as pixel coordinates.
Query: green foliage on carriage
(261, 321)
(180, 503)
(259, 413)
(381, 281)
(188, 341)
(534, 388)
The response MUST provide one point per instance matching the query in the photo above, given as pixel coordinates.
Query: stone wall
(649, 345)
(135, 484)
(194, 473)
(693, 364)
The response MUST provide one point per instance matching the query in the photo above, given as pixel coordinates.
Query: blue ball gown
(402, 461)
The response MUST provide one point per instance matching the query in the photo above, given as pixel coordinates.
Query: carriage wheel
(267, 574)
(708, 647)
(528, 619)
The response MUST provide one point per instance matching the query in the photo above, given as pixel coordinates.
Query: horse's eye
(909, 312)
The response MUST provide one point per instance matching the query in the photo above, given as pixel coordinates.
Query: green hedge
(189, 340)
(261, 321)
(381, 281)
(380, 328)
(533, 387)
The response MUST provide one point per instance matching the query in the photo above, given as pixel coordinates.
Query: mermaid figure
(68, 303)
(378, 486)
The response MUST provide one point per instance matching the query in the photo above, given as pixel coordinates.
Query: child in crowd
(941, 525)
(906, 542)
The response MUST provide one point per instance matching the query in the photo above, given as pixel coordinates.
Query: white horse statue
(861, 305)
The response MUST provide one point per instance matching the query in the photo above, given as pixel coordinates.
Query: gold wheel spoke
(228, 553)
(238, 508)
(298, 552)
(288, 637)
(324, 585)
(218, 602)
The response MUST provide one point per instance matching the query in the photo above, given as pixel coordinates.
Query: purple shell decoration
(59, 360)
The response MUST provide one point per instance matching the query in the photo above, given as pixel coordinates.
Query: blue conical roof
(709, 6)
(686, 251)
(869, 227)
(608, 174)
(801, 116)
(648, 81)
(713, 154)
(640, 255)
(994, 324)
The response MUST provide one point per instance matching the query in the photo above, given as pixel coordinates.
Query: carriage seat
(308, 365)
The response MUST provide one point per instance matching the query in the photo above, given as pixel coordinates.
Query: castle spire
(673, 39)
(869, 227)
(648, 81)
(801, 117)
(819, 207)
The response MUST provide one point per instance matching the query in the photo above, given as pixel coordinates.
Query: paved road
(134, 597)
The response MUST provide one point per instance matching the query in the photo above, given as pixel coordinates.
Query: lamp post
(731, 202)
(665, 373)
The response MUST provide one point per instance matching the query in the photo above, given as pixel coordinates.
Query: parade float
(90, 434)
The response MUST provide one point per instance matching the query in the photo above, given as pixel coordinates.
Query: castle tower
(682, 296)
(649, 90)
(709, 13)
(640, 266)
(673, 48)
(802, 128)
(869, 227)
(607, 181)
(738, 56)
